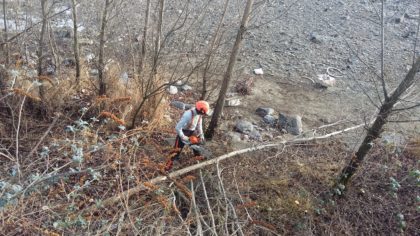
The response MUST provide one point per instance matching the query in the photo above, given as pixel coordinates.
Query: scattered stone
(63, 33)
(94, 72)
(408, 34)
(178, 104)
(269, 119)
(326, 80)
(255, 135)
(232, 102)
(258, 71)
(291, 123)
(263, 111)
(85, 41)
(399, 20)
(124, 77)
(186, 87)
(178, 83)
(51, 69)
(189, 106)
(393, 139)
(235, 137)
(70, 62)
(244, 126)
(89, 57)
(173, 90)
(315, 38)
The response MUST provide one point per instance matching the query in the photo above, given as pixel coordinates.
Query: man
(189, 130)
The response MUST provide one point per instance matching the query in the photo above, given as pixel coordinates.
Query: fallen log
(126, 194)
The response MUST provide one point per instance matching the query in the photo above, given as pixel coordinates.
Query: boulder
(255, 135)
(291, 123)
(235, 137)
(178, 104)
(269, 119)
(243, 126)
(263, 111)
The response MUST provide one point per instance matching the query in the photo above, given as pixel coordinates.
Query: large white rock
(258, 71)
(172, 90)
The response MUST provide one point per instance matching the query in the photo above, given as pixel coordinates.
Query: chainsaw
(194, 143)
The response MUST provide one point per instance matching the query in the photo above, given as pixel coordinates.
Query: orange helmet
(202, 106)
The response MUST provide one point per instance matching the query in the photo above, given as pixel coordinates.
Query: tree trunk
(227, 77)
(158, 36)
(41, 47)
(75, 41)
(211, 51)
(101, 66)
(144, 40)
(375, 130)
(5, 36)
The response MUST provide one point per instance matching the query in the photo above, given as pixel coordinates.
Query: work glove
(185, 139)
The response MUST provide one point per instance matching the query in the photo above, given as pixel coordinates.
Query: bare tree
(40, 52)
(386, 109)
(210, 52)
(158, 36)
(144, 39)
(5, 36)
(101, 64)
(228, 74)
(75, 41)
(147, 90)
(375, 130)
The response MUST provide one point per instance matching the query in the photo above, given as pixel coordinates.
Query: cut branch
(142, 187)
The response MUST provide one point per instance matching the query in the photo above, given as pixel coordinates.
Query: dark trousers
(179, 145)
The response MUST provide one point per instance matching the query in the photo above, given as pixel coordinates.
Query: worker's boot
(169, 165)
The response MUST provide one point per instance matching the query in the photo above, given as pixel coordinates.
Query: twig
(196, 211)
(45, 135)
(213, 224)
(17, 137)
(222, 189)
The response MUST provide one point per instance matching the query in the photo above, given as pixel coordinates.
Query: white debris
(172, 90)
(326, 80)
(232, 102)
(258, 71)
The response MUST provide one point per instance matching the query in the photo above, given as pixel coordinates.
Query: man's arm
(186, 117)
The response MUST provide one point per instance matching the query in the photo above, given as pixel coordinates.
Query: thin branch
(45, 135)
(382, 52)
(417, 38)
(213, 224)
(406, 108)
(403, 121)
(32, 26)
